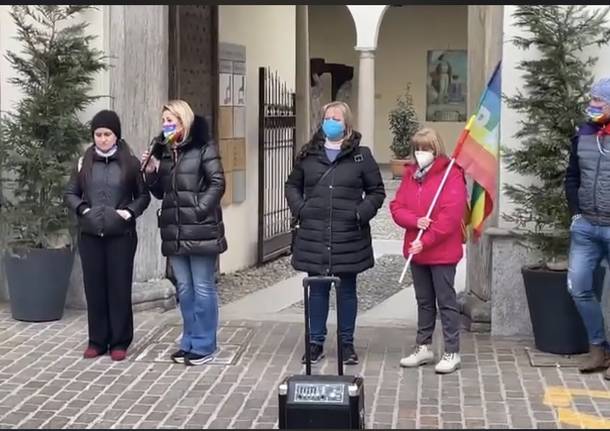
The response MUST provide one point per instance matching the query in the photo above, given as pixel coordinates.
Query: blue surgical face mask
(333, 129)
(168, 130)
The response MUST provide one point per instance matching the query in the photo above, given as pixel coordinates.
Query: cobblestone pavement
(44, 382)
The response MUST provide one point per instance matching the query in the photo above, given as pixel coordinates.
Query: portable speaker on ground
(321, 401)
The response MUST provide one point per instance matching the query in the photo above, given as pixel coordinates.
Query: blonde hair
(348, 117)
(182, 110)
(427, 137)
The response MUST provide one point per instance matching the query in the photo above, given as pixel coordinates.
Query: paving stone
(546, 425)
(32, 423)
(130, 419)
(43, 414)
(241, 424)
(452, 425)
(155, 417)
(57, 422)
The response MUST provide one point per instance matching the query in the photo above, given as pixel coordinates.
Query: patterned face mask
(169, 130)
(595, 114)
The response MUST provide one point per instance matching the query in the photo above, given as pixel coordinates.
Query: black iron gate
(276, 147)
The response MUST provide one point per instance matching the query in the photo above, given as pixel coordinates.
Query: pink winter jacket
(442, 241)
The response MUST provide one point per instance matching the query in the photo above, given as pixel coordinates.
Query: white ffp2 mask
(424, 158)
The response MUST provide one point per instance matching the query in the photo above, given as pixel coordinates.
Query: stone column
(366, 97)
(303, 84)
(139, 88)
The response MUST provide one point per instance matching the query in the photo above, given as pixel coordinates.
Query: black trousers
(108, 274)
(434, 284)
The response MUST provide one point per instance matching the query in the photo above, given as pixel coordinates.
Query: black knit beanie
(107, 119)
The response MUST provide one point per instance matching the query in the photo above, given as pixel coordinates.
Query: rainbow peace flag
(477, 152)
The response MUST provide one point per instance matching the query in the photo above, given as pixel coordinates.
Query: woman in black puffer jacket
(107, 193)
(185, 171)
(334, 191)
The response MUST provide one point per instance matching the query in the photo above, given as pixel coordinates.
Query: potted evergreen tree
(403, 124)
(552, 105)
(42, 139)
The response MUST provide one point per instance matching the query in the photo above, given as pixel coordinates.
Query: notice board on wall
(232, 119)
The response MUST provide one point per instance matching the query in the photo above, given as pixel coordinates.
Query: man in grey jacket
(588, 192)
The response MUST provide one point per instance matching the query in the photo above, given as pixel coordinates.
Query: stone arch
(367, 20)
(332, 59)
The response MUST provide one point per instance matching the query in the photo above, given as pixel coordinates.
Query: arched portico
(367, 20)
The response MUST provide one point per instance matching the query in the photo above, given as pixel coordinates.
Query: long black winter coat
(104, 192)
(191, 183)
(333, 213)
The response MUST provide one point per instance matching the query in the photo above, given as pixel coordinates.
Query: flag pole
(428, 214)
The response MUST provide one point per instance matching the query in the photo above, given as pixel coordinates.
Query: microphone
(156, 147)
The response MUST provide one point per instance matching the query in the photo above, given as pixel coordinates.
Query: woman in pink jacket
(436, 255)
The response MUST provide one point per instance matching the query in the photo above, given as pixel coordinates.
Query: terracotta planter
(398, 167)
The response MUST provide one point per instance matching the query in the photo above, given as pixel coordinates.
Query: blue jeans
(589, 244)
(198, 300)
(318, 309)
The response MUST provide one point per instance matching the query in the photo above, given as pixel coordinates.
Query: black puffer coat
(333, 212)
(104, 192)
(191, 183)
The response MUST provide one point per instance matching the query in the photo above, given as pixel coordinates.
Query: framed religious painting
(446, 80)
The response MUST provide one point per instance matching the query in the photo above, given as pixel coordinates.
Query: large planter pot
(38, 282)
(556, 323)
(398, 167)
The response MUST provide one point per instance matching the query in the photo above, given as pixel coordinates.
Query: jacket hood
(199, 133)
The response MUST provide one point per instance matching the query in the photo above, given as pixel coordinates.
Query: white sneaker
(421, 355)
(448, 363)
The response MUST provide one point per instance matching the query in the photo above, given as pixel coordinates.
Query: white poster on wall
(239, 90)
(225, 89)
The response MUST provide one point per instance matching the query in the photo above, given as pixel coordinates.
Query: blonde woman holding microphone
(187, 175)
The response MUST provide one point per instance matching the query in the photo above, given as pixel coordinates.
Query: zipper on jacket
(599, 160)
(174, 174)
(330, 223)
(106, 169)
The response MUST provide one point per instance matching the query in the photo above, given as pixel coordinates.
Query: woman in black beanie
(107, 193)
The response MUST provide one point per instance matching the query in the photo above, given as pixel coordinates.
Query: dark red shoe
(118, 354)
(91, 352)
